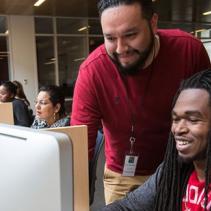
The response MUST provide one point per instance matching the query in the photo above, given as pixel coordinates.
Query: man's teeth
(182, 142)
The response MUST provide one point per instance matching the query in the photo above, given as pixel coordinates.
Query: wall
(23, 54)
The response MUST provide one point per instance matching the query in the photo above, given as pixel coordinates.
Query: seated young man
(182, 181)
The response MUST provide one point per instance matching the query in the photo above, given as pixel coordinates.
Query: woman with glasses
(50, 109)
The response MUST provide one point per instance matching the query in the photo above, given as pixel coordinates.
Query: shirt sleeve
(141, 199)
(85, 109)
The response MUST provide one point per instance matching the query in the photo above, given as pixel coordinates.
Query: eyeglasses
(41, 102)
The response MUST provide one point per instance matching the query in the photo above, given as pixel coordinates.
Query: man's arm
(85, 109)
(141, 199)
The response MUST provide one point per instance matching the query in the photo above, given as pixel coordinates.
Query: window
(43, 25)
(62, 45)
(71, 26)
(71, 52)
(45, 60)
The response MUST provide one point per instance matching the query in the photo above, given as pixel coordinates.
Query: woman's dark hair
(56, 96)
(146, 6)
(20, 92)
(175, 175)
(10, 87)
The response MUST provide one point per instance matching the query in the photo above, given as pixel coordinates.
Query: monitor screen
(36, 170)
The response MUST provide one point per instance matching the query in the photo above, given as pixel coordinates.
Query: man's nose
(180, 127)
(121, 46)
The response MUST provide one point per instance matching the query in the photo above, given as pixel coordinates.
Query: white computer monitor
(35, 170)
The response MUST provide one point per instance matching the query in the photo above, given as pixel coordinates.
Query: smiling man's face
(128, 36)
(191, 124)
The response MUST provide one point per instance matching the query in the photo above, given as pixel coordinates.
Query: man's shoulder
(95, 57)
(176, 34)
(98, 64)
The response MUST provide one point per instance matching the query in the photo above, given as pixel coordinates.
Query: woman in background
(21, 113)
(21, 95)
(50, 109)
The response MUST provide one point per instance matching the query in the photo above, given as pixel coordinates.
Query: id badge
(130, 164)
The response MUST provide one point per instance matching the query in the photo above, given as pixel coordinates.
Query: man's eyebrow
(191, 112)
(107, 34)
(128, 31)
(196, 113)
(131, 30)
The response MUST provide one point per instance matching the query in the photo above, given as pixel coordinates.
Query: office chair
(93, 165)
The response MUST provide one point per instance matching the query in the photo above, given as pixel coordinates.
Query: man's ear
(154, 23)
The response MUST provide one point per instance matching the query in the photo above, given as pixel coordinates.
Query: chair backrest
(6, 113)
(93, 165)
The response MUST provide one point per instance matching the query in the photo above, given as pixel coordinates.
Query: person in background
(21, 95)
(128, 84)
(183, 180)
(50, 109)
(21, 113)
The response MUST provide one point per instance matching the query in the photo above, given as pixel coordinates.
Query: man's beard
(134, 68)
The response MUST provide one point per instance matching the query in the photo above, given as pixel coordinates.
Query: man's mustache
(115, 54)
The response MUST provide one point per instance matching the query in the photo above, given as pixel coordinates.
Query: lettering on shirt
(195, 196)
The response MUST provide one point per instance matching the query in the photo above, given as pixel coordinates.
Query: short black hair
(201, 80)
(10, 87)
(146, 6)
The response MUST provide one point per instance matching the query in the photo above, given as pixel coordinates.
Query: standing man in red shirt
(127, 85)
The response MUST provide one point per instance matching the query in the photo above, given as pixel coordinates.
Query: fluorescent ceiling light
(200, 30)
(79, 59)
(83, 28)
(38, 3)
(207, 13)
(51, 62)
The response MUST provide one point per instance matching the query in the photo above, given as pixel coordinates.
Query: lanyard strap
(132, 138)
(132, 142)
